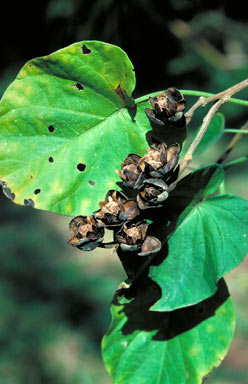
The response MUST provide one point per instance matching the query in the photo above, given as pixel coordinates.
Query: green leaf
(66, 124)
(182, 346)
(208, 238)
(213, 133)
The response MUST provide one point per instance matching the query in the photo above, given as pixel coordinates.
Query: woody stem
(224, 95)
(206, 121)
(221, 98)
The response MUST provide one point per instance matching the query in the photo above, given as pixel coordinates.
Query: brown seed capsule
(172, 157)
(159, 160)
(150, 246)
(155, 157)
(167, 106)
(152, 193)
(132, 235)
(130, 170)
(86, 235)
(116, 209)
(133, 238)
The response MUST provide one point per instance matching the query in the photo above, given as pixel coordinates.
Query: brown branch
(221, 98)
(227, 94)
(206, 121)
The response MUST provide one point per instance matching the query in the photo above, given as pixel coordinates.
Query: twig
(226, 95)
(232, 144)
(221, 98)
(206, 121)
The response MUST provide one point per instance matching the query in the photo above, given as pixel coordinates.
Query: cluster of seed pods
(149, 179)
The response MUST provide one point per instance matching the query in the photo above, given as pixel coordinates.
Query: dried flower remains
(149, 180)
(168, 107)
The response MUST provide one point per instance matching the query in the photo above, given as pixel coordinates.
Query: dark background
(54, 300)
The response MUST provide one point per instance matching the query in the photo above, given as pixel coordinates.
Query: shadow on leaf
(166, 133)
(189, 191)
(137, 300)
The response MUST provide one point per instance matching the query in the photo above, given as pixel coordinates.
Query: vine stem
(220, 99)
(188, 92)
(238, 131)
(240, 160)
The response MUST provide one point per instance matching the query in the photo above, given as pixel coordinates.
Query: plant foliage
(67, 123)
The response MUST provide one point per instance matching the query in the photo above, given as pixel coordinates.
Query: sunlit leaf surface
(210, 238)
(66, 123)
(182, 346)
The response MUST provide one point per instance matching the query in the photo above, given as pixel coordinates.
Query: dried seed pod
(133, 238)
(171, 178)
(132, 235)
(150, 246)
(158, 161)
(167, 107)
(86, 235)
(172, 157)
(115, 210)
(152, 193)
(130, 170)
(155, 157)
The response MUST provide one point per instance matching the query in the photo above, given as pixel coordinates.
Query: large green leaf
(66, 123)
(209, 237)
(182, 346)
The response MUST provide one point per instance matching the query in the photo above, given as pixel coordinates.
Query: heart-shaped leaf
(182, 346)
(208, 239)
(66, 123)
